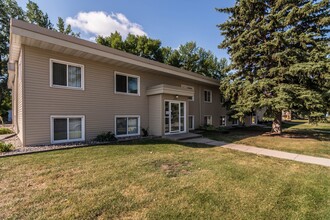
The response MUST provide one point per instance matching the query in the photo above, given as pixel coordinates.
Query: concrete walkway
(262, 151)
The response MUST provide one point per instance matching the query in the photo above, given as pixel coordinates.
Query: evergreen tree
(65, 30)
(189, 56)
(173, 57)
(279, 60)
(35, 16)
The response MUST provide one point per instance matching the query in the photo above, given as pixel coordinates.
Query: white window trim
(130, 75)
(235, 123)
(52, 117)
(193, 122)
(255, 119)
(210, 117)
(128, 116)
(190, 88)
(51, 61)
(225, 121)
(207, 90)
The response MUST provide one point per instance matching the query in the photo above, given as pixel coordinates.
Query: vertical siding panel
(20, 130)
(155, 115)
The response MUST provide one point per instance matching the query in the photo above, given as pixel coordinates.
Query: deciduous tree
(33, 14)
(8, 9)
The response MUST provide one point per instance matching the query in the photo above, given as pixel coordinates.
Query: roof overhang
(170, 90)
(22, 33)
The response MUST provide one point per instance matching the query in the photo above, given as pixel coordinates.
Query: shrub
(5, 131)
(145, 132)
(105, 137)
(317, 119)
(207, 127)
(5, 147)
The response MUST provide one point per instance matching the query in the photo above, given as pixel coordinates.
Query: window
(127, 84)
(182, 114)
(191, 122)
(222, 120)
(208, 96)
(235, 121)
(207, 120)
(66, 75)
(192, 98)
(67, 129)
(127, 125)
(254, 119)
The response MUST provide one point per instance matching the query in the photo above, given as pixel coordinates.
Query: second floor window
(208, 96)
(65, 74)
(127, 84)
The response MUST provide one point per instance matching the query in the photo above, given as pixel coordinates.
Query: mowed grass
(160, 180)
(300, 137)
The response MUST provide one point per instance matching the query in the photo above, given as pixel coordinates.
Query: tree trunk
(277, 124)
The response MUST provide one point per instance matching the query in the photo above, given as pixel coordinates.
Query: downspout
(200, 106)
(15, 98)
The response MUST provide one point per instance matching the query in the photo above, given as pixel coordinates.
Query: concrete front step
(181, 137)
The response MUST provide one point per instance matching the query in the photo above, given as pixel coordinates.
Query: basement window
(67, 129)
(127, 125)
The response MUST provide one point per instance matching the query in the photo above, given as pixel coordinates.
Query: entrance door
(175, 117)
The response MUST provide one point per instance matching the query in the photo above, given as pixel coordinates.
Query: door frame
(185, 117)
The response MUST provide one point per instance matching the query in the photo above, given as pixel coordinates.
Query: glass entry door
(174, 117)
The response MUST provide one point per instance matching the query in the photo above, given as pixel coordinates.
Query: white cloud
(101, 23)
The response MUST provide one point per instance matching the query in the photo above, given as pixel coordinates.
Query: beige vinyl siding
(215, 109)
(156, 115)
(194, 106)
(98, 102)
(14, 100)
(20, 81)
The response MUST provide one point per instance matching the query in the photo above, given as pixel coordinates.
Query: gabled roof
(23, 33)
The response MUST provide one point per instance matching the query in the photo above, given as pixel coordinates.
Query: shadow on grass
(159, 141)
(236, 134)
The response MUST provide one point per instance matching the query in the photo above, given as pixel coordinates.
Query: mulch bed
(20, 150)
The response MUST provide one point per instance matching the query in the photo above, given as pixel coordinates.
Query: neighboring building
(67, 89)
(286, 115)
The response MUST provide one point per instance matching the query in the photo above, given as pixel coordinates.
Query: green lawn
(160, 180)
(298, 137)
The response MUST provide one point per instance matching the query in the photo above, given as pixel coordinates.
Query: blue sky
(174, 22)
